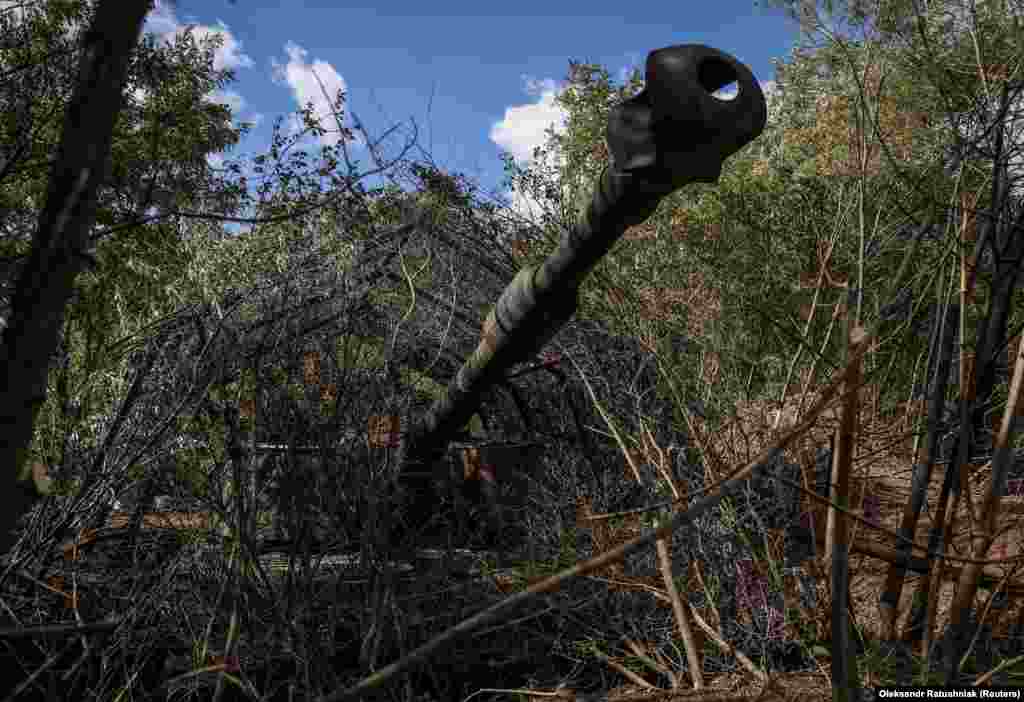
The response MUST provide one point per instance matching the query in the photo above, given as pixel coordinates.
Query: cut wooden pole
(682, 617)
(956, 472)
(967, 586)
(921, 477)
(845, 680)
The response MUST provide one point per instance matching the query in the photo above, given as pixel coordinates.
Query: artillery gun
(674, 132)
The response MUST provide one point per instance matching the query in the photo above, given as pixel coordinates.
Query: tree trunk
(59, 248)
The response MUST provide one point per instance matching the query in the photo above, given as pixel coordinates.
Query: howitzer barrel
(672, 133)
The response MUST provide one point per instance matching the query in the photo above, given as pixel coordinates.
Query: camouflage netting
(550, 404)
(314, 304)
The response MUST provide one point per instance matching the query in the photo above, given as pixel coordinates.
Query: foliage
(158, 159)
(741, 253)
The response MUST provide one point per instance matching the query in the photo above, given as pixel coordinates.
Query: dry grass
(882, 468)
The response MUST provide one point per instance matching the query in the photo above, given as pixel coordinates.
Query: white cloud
(523, 126)
(305, 79)
(229, 54)
(165, 25)
(163, 22)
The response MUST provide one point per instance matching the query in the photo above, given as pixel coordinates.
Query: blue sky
(476, 82)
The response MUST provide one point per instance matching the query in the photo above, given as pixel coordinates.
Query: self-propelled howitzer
(672, 133)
